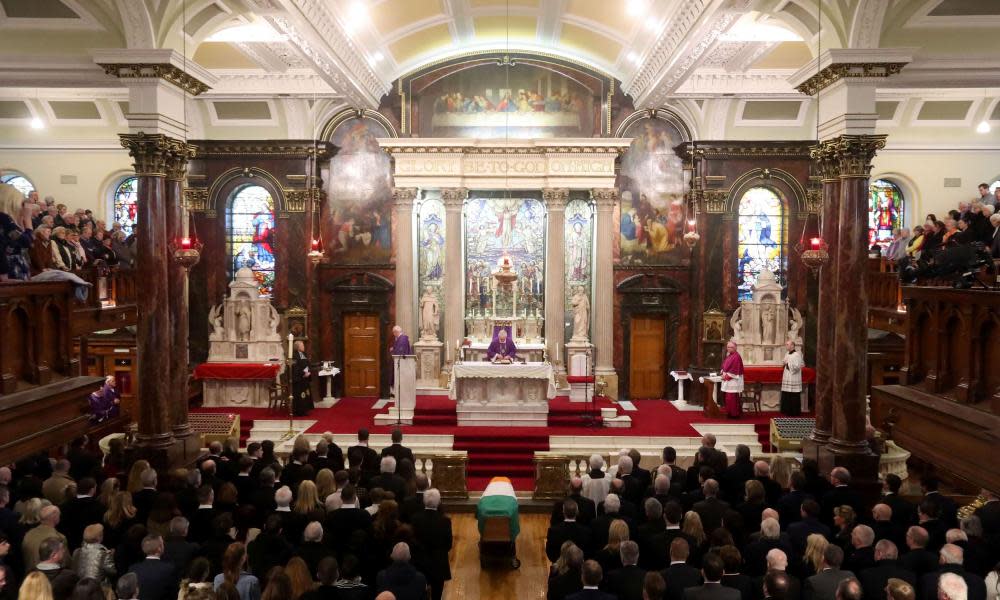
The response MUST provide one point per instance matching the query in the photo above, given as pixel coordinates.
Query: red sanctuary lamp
(812, 247)
(692, 237)
(316, 251)
(186, 251)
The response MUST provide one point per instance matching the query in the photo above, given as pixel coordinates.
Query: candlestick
(291, 339)
(557, 352)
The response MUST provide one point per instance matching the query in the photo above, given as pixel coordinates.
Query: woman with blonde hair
(135, 476)
(109, 488)
(118, 518)
(298, 573)
(609, 557)
(93, 559)
(36, 586)
(30, 512)
(301, 444)
(693, 527)
(325, 484)
(816, 545)
(781, 471)
(561, 566)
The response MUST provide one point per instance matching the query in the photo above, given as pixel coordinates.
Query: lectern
(405, 371)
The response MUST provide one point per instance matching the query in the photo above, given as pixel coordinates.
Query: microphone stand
(399, 408)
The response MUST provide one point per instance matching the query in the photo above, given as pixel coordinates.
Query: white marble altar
(514, 395)
(762, 324)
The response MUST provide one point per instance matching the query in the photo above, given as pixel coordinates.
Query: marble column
(150, 154)
(405, 269)
(829, 168)
(454, 273)
(177, 290)
(854, 154)
(555, 273)
(604, 289)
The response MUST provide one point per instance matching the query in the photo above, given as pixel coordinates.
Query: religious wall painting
(579, 240)
(651, 183)
(357, 220)
(885, 212)
(503, 226)
(431, 248)
(515, 100)
(761, 238)
(250, 235)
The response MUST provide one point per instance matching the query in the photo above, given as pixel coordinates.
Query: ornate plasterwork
(295, 82)
(196, 199)
(714, 201)
(306, 150)
(718, 82)
(296, 200)
(166, 72)
(835, 72)
(854, 153)
(157, 155)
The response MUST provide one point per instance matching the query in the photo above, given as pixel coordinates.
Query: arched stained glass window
(250, 234)
(762, 238)
(885, 211)
(18, 181)
(994, 186)
(124, 203)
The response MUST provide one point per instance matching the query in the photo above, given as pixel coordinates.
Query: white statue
(215, 320)
(273, 319)
(581, 315)
(243, 321)
(736, 321)
(793, 332)
(767, 324)
(429, 315)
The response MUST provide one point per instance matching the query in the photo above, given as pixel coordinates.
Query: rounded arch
(120, 198)
(18, 179)
(668, 114)
(250, 220)
(220, 191)
(762, 228)
(781, 182)
(326, 133)
(910, 191)
(886, 210)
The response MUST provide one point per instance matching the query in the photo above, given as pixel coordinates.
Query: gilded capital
(837, 71)
(177, 159)
(824, 155)
(150, 153)
(555, 198)
(196, 199)
(604, 197)
(404, 196)
(855, 153)
(454, 197)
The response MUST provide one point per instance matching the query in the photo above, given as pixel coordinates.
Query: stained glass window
(18, 181)
(579, 253)
(885, 211)
(994, 186)
(762, 238)
(250, 235)
(124, 203)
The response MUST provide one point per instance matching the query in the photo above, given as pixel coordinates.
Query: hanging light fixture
(315, 254)
(812, 248)
(186, 248)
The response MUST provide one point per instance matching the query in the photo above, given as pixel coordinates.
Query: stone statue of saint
(793, 332)
(215, 320)
(767, 324)
(736, 322)
(243, 321)
(273, 319)
(429, 315)
(581, 315)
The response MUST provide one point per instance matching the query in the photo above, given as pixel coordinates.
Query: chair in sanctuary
(750, 397)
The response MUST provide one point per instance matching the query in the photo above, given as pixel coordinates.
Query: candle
(186, 243)
(557, 352)
(291, 339)
(815, 243)
(315, 245)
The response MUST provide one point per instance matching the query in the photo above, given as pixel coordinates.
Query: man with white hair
(48, 521)
(401, 578)
(874, 579)
(777, 562)
(862, 552)
(951, 587)
(755, 553)
(626, 583)
(432, 529)
(951, 558)
(994, 244)
(388, 480)
(283, 499)
(633, 489)
(596, 482)
(772, 489)
(611, 510)
(312, 549)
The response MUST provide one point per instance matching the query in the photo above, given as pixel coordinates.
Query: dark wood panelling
(44, 417)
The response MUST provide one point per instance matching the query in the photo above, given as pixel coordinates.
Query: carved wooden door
(647, 357)
(362, 349)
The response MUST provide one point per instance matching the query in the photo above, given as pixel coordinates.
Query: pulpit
(404, 369)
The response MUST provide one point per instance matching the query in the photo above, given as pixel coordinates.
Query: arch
(911, 193)
(221, 189)
(762, 228)
(886, 210)
(122, 198)
(249, 236)
(667, 114)
(326, 132)
(770, 178)
(17, 179)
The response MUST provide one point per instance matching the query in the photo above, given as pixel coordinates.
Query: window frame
(228, 236)
(782, 271)
(9, 174)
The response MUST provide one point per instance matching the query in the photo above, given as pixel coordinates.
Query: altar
(515, 395)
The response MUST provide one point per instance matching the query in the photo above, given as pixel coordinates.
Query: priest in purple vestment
(732, 381)
(501, 349)
(400, 342)
(105, 402)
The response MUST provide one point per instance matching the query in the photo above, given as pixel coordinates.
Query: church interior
(548, 254)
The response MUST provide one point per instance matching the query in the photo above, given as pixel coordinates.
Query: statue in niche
(243, 321)
(429, 315)
(215, 320)
(737, 323)
(581, 314)
(793, 332)
(767, 324)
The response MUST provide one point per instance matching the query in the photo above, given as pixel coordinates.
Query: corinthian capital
(454, 197)
(855, 153)
(555, 198)
(178, 156)
(404, 196)
(604, 197)
(150, 153)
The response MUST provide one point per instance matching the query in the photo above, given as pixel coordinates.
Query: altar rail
(948, 414)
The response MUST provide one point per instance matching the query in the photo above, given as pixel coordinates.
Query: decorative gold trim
(297, 199)
(177, 160)
(523, 150)
(835, 72)
(156, 155)
(196, 199)
(210, 149)
(211, 214)
(166, 72)
(847, 156)
(715, 201)
(743, 151)
(814, 201)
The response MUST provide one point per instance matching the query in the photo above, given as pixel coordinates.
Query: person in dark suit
(52, 564)
(660, 544)
(302, 402)
(362, 457)
(874, 579)
(295, 471)
(777, 564)
(841, 494)
(270, 548)
(157, 578)
(919, 560)
(587, 509)
(989, 518)
(947, 508)
(862, 551)
(627, 582)
(327, 455)
(570, 530)
(884, 527)
(341, 524)
(928, 516)
(823, 585)
(951, 562)
(567, 578)
(633, 488)
(848, 589)
(177, 549)
(433, 530)
(775, 585)
(79, 512)
(717, 458)
(789, 505)
(711, 569)
(204, 515)
(401, 578)
(415, 503)
(397, 450)
(711, 509)
(262, 498)
(388, 480)
(244, 482)
(904, 513)
(600, 526)
(144, 498)
(736, 475)
(648, 533)
(798, 533)
(679, 575)
(678, 475)
(83, 462)
(591, 576)
(755, 553)
(732, 575)
(625, 507)
(772, 489)
(643, 475)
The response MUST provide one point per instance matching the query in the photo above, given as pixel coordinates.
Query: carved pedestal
(428, 362)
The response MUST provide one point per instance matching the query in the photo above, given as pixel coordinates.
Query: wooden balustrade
(948, 414)
(35, 329)
(111, 303)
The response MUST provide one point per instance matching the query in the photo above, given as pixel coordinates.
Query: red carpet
(506, 451)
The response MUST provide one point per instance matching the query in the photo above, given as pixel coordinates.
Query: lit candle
(814, 243)
(557, 352)
(186, 243)
(315, 245)
(291, 338)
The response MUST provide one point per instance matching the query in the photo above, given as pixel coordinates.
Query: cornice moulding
(842, 63)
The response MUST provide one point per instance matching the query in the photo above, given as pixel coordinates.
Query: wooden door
(361, 354)
(647, 357)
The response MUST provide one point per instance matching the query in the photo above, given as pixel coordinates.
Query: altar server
(791, 381)
(501, 348)
(732, 381)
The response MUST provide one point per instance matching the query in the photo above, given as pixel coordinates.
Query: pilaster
(603, 314)
(454, 273)
(405, 271)
(555, 274)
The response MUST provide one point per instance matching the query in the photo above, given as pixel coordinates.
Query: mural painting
(579, 252)
(431, 240)
(357, 222)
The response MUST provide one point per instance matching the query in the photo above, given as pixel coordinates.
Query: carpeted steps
(495, 453)
(763, 431)
(245, 426)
